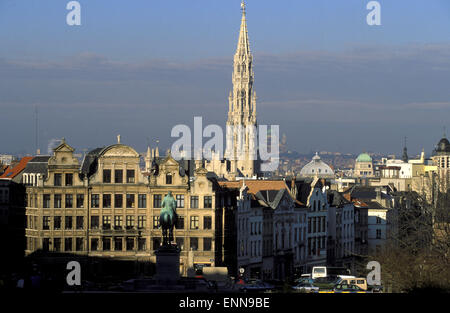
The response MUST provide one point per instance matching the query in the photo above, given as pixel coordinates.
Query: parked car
(346, 288)
(326, 283)
(306, 287)
(255, 286)
(375, 288)
(303, 281)
(361, 282)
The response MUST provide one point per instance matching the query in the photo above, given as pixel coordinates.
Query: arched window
(168, 179)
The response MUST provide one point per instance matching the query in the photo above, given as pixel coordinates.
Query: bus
(326, 271)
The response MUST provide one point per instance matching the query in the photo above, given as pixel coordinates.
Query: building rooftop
(364, 157)
(12, 172)
(317, 168)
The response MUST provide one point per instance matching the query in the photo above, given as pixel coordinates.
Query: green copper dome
(363, 157)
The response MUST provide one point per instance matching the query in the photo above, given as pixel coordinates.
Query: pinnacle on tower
(243, 47)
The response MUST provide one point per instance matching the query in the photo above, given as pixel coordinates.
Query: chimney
(378, 191)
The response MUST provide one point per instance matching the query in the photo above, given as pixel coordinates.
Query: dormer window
(69, 179)
(57, 179)
(118, 176)
(168, 179)
(130, 176)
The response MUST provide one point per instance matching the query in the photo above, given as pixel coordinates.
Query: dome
(443, 146)
(317, 168)
(364, 157)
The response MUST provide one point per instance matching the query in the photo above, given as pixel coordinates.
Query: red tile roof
(13, 172)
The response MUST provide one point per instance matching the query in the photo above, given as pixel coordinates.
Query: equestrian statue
(168, 218)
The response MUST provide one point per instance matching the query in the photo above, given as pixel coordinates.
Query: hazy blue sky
(137, 68)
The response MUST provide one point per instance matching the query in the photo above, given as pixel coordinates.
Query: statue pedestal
(167, 265)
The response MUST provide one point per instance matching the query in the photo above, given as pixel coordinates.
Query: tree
(416, 255)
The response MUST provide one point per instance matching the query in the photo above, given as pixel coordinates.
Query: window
(80, 201)
(46, 222)
(142, 243)
(141, 221)
(68, 222)
(207, 243)
(69, 179)
(46, 244)
(130, 200)
(142, 201)
(180, 201)
(79, 244)
(193, 243)
(68, 244)
(106, 222)
(95, 222)
(80, 222)
(194, 222)
(57, 244)
(168, 179)
(156, 243)
(378, 220)
(118, 222)
(157, 201)
(57, 179)
(118, 200)
(117, 243)
(156, 222)
(106, 200)
(57, 222)
(130, 243)
(94, 244)
(107, 176)
(57, 201)
(130, 176)
(95, 201)
(378, 233)
(207, 202)
(180, 222)
(130, 221)
(118, 176)
(69, 201)
(106, 244)
(194, 202)
(46, 201)
(180, 243)
(207, 222)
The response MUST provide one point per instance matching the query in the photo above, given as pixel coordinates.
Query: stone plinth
(167, 264)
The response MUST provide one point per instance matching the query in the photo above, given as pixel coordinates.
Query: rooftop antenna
(36, 143)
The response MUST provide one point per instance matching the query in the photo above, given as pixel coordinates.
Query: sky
(138, 68)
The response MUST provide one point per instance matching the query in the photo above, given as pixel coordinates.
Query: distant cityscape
(315, 224)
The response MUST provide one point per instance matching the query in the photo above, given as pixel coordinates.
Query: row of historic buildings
(107, 207)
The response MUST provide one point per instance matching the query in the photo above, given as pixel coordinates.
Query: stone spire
(242, 98)
(148, 159)
(243, 46)
(405, 153)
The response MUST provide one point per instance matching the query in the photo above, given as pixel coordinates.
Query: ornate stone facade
(108, 208)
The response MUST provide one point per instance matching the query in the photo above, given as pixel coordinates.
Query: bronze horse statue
(168, 218)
